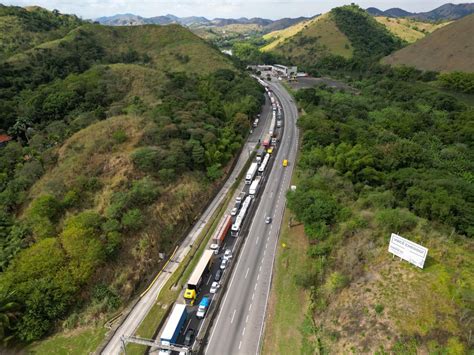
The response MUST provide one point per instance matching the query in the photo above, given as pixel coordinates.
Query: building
(285, 71)
(4, 139)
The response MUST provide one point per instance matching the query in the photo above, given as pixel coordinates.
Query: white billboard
(407, 250)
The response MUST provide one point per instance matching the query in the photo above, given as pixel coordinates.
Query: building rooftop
(5, 138)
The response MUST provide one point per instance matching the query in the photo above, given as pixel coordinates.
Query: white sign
(406, 249)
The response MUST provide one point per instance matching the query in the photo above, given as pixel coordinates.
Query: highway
(239, 324)
(138, 311)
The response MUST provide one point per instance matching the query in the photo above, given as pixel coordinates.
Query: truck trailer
(174, 325)
(222, 230)
(195, 281)
(251, 173)
(253, 190)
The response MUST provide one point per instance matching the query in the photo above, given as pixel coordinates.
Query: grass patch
(81, 341)
(288, 302)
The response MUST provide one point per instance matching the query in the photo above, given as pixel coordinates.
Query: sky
(272, 9)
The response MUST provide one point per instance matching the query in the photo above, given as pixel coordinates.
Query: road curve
(239, 325)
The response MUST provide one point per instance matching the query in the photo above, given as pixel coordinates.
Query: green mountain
(121, 137)
(346, 31)
(24, 28)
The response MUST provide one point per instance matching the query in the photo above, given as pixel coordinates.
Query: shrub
(396, 220)
(148, 159)
(379, 308)
(334, 283)
(133, 219)
(119, 136)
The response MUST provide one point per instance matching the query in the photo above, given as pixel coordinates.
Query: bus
(194, 282)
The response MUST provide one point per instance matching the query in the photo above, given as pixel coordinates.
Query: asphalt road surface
(139, 311)
(229, 242)
(239, 325)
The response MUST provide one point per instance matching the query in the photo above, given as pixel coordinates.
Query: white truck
(254, 187)
(262, 166)
(251, 173)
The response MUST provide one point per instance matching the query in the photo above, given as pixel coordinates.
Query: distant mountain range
(444, 12)
(267, 25)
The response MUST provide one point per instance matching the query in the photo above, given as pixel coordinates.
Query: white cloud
(215, 8)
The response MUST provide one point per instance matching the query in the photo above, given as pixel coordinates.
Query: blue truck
(174, 325)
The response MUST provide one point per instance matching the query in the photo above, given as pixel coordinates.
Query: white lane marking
(209, 279)
(255, 288)
(256, 240)
(243, 331)
(240, 344)
(246, 274)
(233, 315)
(253, 295)
(250, 307)
(247, 319)
(258, 276)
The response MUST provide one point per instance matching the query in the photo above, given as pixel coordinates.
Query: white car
(224, 263)
(214, 287)
(228, 254)
(214, 246)
(234, 211)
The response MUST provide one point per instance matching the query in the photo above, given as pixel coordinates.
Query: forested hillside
(346, 32)
(397, 158)
(121, 136)
(24, 28)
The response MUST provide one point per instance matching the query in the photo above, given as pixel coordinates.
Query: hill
(346, 31)
(372, 164)
(24, 28)
(409, 30)
(121, 136)
(304, 43)
(445, 12)
(448, 49)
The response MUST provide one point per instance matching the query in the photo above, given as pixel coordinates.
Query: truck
(262, 167)
(195, 281)
(251, 173)
(222, 230)
(174, 325)
(266, 141)
(260, 154)
(241, 197)
(253, 190)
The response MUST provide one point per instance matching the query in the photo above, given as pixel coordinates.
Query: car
(223, 264)
(218, 275)
(188, 337)
(268, 220)
(234, 211)
(214, 287)
(228, 254)
(202, 308)
(214, 246)
(285, 162)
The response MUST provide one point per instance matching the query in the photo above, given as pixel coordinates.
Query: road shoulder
(288, 303)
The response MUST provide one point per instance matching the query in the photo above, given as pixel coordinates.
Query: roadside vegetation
(121, 135)
(396, 158)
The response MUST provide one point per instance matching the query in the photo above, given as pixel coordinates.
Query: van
(202, 308)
